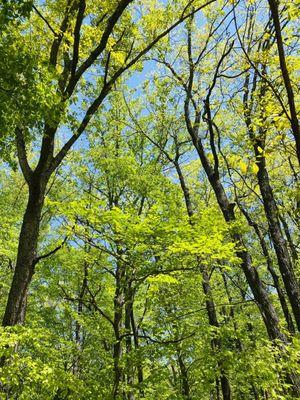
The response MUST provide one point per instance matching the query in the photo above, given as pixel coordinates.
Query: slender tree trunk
(284, 261)
(185, 387)
(238, 344)
(136, 345)
(210, 306)
(128, 340)
(285, 75)
(78, 327)
(259, 292)
(231, 312)
(118, 314)
(270, 207)
(213, 321)
(280, 292)
(218, 397)
(289, 238)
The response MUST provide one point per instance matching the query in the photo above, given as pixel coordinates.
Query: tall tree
(67, 47)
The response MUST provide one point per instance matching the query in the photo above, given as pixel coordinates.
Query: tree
(66, 49)
(149, 201)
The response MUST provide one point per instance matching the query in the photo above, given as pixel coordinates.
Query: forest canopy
(149, 200)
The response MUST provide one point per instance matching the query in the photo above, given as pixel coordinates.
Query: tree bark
(284, 261)
(270, 207)
(289, 238)
(273, 4)
(78, 327)
(259, 292)
(27, 253)
(275, 277)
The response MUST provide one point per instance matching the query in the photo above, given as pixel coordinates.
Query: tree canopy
(149, 200)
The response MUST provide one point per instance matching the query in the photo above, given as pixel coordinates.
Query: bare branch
(106, 88)
(113, 19)
(22, 156)
(45, 20)
(50, 253)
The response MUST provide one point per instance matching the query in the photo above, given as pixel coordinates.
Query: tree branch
(22, 156)
(106, 88)
(50, 253)
(45, 20)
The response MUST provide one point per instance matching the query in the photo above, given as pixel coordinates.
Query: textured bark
(211, 169)
(283, 257)
(27, 253)
(259, 292)
(270, 207)
(275, 277)
(285, 75)
(289, 238)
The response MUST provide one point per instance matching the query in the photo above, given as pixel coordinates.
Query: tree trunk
(210, 306)
(270, 207)
(118, 314)
(185, 387)
(284, 261)
(213, 321)
(136, 345)
(285, 75)
(27, 252)
(289, 238)
(280, 292)
(128, 340)
(259, 292)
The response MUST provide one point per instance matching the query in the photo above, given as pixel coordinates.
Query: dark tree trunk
(289, 238)
(27, 253)
(259, 292)
(37, 181)
(284, 261)
(213, 321)
(210, 306)
(270, 207)
(136, 345)
(285, 75)
(128, 340)
(118, 314)
(280, 292)
(185, 387)
(231, 310)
